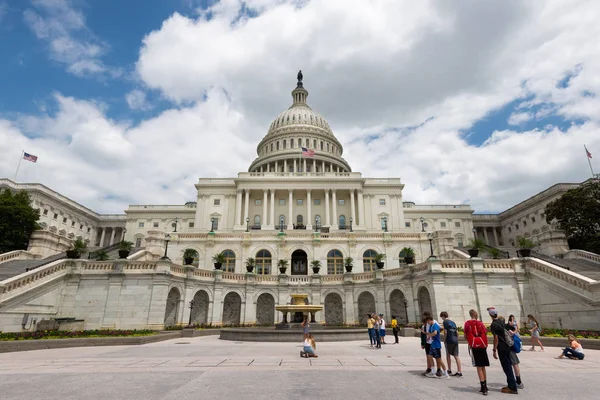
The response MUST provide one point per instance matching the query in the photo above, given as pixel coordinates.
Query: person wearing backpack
(516, 348)
(503, 343)
(475, 334)
(451, 342)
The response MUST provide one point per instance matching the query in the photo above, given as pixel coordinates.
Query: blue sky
(132, 101)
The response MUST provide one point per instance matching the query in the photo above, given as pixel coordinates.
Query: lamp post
(474, 234)
(175, 224)
(316, 223)
(247, 223)
(385, 224)
(191, 311)
(422, 224)
(406, 311)
(430, 237)
(167, 239)
(281, 223)
(350, 219)
(212, 224)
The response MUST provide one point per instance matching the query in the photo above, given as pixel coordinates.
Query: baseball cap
(492, 311)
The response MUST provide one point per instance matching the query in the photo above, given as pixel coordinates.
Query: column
(264, 221)
(112, 236)
(323, 162)
(102, 237)
(291, 210)
(304, 170)
(285, 168)
(314, 168)
(391, 219)
(238, 206)
(261, 169)
(361, 209)
(496, 242)
(308, 210)
(335, 216)
(401, 220)
(272, 221)
(327, 222)
(276, 167)
(295, 170)
(246, 206)
(353, 208)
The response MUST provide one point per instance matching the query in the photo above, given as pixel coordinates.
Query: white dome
(299, 114)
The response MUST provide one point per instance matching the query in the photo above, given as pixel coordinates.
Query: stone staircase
(583, 267)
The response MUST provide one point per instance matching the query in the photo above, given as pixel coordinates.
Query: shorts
(382, 332)
(435, 353)
(427, 347)
(514, 359)
(308, 350)
(480, 357)
(535, 333)
(452, 349)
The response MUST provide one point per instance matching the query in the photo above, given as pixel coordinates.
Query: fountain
(299, 310)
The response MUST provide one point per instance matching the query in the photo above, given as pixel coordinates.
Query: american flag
(29, 157)
(587, 151)
(307, 152)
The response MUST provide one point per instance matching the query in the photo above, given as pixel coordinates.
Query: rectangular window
(341, 202)
(55, 215)
(282, 202)
(73, 223)
(64, 220)
(443, 224)
(155, 224)
(533, 219)
(317, 202)
(524, 223)
(191, 225)
(45, 212)
(141, 225)
(509, 229)
(258, 202)
(89, 229)
(407, 224)
(382, 202)
(217, 202)
(138, 242)
(81, 227)
(517, 226)
(542, 215)
(457, 224)
(216, 224)
(299, 202)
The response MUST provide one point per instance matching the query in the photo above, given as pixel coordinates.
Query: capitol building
(300, 202)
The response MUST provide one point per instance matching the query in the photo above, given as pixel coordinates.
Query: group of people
(376, 327)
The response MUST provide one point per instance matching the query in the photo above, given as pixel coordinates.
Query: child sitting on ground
(309, 347)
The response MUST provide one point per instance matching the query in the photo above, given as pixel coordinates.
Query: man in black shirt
(502, 351)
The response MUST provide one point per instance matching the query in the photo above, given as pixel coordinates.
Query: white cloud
(378, 68)
(518, 118)
(70, 42)
(136, 99)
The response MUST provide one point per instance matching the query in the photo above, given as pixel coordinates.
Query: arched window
(257, 220)
(299, 220)
(369, 260)
(342, 224)
(321, 145)
(284, 143)
(271, 146)
(229, 263)
(263, 262)
(278, 145)
(315, 143)
(335, 262)
(327, 146)
(291, 142)
(299, 142)
(307, 142)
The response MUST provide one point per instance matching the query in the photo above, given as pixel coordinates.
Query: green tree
(18, 220)
(578, 215)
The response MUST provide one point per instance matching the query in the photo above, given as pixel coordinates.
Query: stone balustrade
(581, 254)
(17, 255)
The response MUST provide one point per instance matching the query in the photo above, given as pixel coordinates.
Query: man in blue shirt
(436, 348)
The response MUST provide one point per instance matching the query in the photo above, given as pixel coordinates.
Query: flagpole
(18, 165)
(587, 155)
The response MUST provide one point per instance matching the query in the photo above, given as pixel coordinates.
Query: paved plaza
(209, 368)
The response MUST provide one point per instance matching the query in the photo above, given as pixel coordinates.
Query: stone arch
(334, 309)
(299, 247)
(366, 305)
(200, 311)
(424, 300)
(172, 307)
(397, 306)
(232, 309)
(265, 309)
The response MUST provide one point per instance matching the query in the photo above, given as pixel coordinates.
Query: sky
(474, 102)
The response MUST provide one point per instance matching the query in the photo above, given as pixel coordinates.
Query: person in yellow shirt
(395, 328)
(370, 323)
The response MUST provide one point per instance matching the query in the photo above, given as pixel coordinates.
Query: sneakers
(521, 386)
(431, 375)
(444, 376)
(508, 390)
(438, 373)
(532, 349)
(484, 390)
(458, 375)
(426, 372)
(449, 372)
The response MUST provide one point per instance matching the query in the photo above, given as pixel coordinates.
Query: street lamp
(385, 224)
(175, 224)
(247, 223)
(430, 237)
(350, 219)
(212, 224)
(167, 239)
(422, 224)
(316, 223)
(191, 311)
(281, 223)
(406, 310)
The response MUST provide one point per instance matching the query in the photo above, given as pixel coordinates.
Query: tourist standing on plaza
(451, 342)
(305, 326)
(574, 350)
(376, 327)
(475, 334)
(513, 329)
(382, 328)
(395, 328)
(435, 351)
(513, 322)
(370, 329)
(502, 350)
(424, 345)
(535, 332)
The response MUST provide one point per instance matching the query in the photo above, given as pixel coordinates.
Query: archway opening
(200, 310)
(265, 309)
(398, 306)
(424, 301)
(232, 309)
(366, 306)
(299, 263)
(334, 309)
(172, 307)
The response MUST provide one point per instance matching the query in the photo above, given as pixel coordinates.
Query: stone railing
(455, 264)
(231, 276)
(97, 266)
(498, 264)
(420, 268)
(18, 255)
(266, 278)
(577, 254)
(141, 266)
(332, 278)
(392, 273)
(455, 253)
(363, 276)
(177, 269)
(299, 279)
(203, 274)
(564, 276)
(22, 283)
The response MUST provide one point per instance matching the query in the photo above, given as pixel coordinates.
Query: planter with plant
(409, 255)
(100, 255)
(218, 260)
(125, 248)
(525, 245)
(77, 248)
(494, 252)
(282, 264)
(476, 245)
(316, 266)
(250, 264)
(189, 255)
(348, 264)
(379, 257)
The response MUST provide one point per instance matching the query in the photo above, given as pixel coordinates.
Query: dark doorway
(299, 263)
